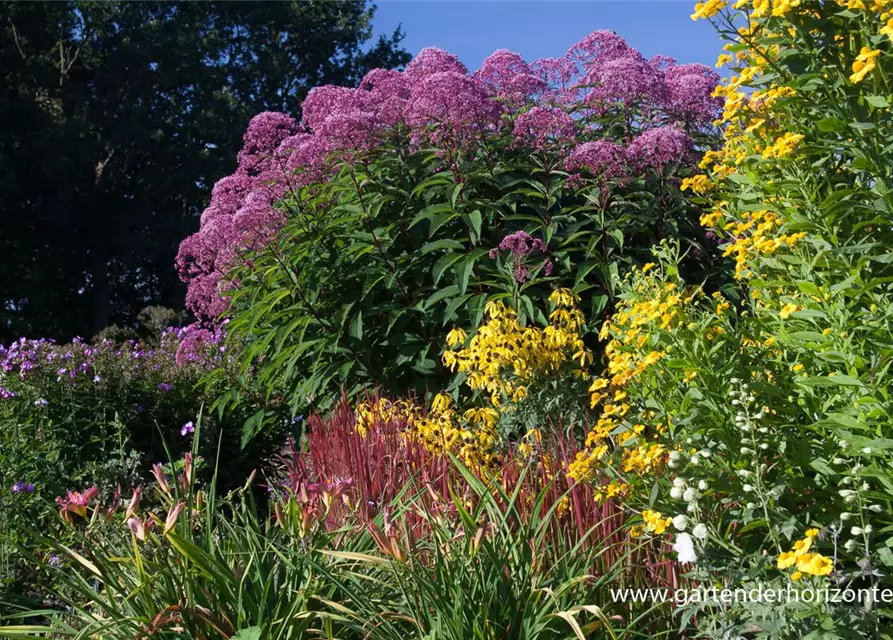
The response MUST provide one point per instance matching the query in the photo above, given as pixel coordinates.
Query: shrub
(773, 391)
(403, 206)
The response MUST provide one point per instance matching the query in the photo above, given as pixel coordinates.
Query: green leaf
(445, 243)
(356, 325)
(437, 296)
(474, 221)
(879, 102)
(249, 633)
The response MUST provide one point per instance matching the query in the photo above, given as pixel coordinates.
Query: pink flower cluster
(436, 102)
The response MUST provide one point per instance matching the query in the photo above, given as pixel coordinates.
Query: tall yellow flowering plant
(773, 390)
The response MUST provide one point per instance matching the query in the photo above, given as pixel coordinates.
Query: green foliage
(119, 117)
(373, 267)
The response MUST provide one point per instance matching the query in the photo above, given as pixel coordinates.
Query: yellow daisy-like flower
(787, 310)
(708, 9)
(864, 64)
(456, 336)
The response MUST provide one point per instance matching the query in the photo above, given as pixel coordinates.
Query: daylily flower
(134, 503)
(76, 502)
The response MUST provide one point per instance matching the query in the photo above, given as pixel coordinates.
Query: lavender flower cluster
(79, 363)
(436, 102)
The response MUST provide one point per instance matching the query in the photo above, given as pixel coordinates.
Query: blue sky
(535, 29)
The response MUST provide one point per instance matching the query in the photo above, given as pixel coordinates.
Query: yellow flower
(786, 560)
(723, 60)
(787, 310)
(797, 368)
(647, 267)
(699, 184)
(864, 64)
(708, 9)
(690, 375)
(812, 533)
(441, 402)
(456, 336)
(796, 575)
(783, 146)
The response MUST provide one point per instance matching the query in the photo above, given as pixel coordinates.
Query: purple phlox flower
(41, 402)
(6, 393)
(23, 487)
(54, 561)
(165, 387)
(189, 427)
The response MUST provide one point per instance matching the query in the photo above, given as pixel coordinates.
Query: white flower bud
(680, 522)
(689, 495)
(876, 508)
(845, 516)
(747, 488)
(838, 461)
(676, 493)
(679, 481)
(702, 486)
(700, 531)
(849, 545)
(856, 531)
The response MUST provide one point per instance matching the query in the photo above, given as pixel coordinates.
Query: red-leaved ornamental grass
(365, 475)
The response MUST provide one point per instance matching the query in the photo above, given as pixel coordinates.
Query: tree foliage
(118, 116)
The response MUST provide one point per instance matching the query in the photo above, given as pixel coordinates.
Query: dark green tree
(117, 119)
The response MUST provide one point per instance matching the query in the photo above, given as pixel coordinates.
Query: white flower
(846, 493)
(743, 473)
(750, 505)
(690, 494)
(680, 522)
(706, 453)
(865, 486)
(850, 545)
(856, 531)
(866, 450)
(679, 482)
(695, 459)
(702, 485)
(867, 528)
(700, 531)
(675, 493)
(685, 548)
(745, 451)
(764, 446)
(845, 515)
(838, 461)
(747, 488)
(876, 508)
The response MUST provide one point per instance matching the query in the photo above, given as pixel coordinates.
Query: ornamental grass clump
(346, 242)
